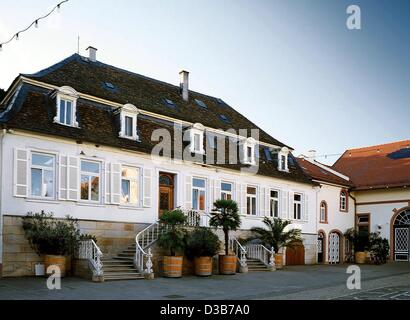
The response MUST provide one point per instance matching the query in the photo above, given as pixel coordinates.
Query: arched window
(343, 200)
(323, 212)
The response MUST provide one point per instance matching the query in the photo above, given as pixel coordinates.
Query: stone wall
(19, 259)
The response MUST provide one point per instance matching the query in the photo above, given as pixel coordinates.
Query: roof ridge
(378, 145)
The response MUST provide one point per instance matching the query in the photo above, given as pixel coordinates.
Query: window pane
(274, 194)
(84, 187)
(276, 209)
(48, 183)
(68, 112)
(130, 173)
(62, 111)
(197, 142)
(128, 126)
(125, 190)
(36, 182)
(42, 160)
(254, 206)
(95, 189)
(92, 167)
(248, 205)
(228, 197)
(134, 192)
(202, 200)
(251, 190)
(195, 199)
(226, 187)
(199, 183)
(249, 152)
(298, 197)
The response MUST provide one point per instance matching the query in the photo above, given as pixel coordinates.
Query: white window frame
(42, 168)
(252, 196)
(323, 212)
(227, 192)
(196, 130)
(131, 111)
(343, 203)
(298, 204)
(139, 182)
(284, 152)
(249, 143)
(272, 214)
(90, 174)
(199, 191)
(66, 93)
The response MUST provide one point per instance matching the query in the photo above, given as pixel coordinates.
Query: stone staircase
(255, 265)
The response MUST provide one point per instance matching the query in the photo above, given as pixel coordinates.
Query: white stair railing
(261, 253)
(89, 250)
(143, 257)
(239, 251)
(193, 218)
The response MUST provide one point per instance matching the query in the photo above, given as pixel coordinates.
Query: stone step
(258, 270)
(124, 258)
(136, 276)
(120, 272)
(126, 254)
(119, 269)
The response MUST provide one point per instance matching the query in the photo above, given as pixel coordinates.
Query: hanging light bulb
(36, 24)
(17, 36)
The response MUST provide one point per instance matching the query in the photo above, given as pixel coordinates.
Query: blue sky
(291, 66)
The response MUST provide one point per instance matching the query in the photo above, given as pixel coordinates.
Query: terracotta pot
(360, 257)
(203, 266)
(59, 261)
(279, 261)
(172, 266)
(227, 264)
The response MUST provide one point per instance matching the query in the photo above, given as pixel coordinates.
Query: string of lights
(35, 23)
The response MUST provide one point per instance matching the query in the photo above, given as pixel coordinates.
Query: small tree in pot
(226, 216)
(172, 238)
(276, 237)
(361, 242)
(202, 245)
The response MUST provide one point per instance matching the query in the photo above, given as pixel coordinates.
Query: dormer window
(66, 106)
(128, 119)
(283, 159)
(248, 151)
(196, 134)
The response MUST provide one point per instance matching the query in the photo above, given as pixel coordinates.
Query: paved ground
(390, 281)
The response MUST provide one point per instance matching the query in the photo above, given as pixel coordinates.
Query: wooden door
(166, 193)
(296, 255)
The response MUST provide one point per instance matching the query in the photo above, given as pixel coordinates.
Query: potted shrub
(360, 242)
(56, 239)
(172, 238)
(275, 236)
(379, 248)
(201, 246)
(226, 216)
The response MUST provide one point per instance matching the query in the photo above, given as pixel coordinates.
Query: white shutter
(20, 173)
(243, 199)
(267, 201)
(284, 204)
(107, 188)
(291, 213)
(63, 178)
(211, 195)
(217, 189)
(188, 192)
(238, 195)
(262, 204)
(73, 176)
(306, 208)
(147, 200)
(115, 183)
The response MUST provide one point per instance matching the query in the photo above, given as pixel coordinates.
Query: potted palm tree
(201, 246)
(275, 236)
(225, 215)
(361, 243)
(172, 238)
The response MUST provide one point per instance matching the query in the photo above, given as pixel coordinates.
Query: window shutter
(284, 204)
(63, 178)
(73, 175)
(243, 199)
(147, 199)
(267, 201)
(217, 189)
(115, 189)
(306, 208)
(262, 204)
(238, 195)
(20, 173)
(107, 187)
(188, 192)
(291, 213)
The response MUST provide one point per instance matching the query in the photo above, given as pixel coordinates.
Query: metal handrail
(89, 250)
(261, 253)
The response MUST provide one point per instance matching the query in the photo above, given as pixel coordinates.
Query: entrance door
(295, 255)
(166, 193)
(334, 248)
(402, 236)
(320, 247)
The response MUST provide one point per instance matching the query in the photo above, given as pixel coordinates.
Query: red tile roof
(381, 166)
(317, 173)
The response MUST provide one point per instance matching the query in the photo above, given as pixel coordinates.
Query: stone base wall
(19, 259)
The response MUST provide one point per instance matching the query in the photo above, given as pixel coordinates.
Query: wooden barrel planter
(59, 261)
(203, 266)
(279, 261)
(172, 266)
(227, 264)
(360, 257)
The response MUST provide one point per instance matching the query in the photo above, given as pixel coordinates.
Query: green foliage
(226, 216)
(379, 248)
(51, 236)
(359, 239)
(275, 235)
(172, 236)
(202, 242)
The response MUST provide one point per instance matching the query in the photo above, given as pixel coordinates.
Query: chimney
(184, 84)
(92, 54)
(312, 154)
